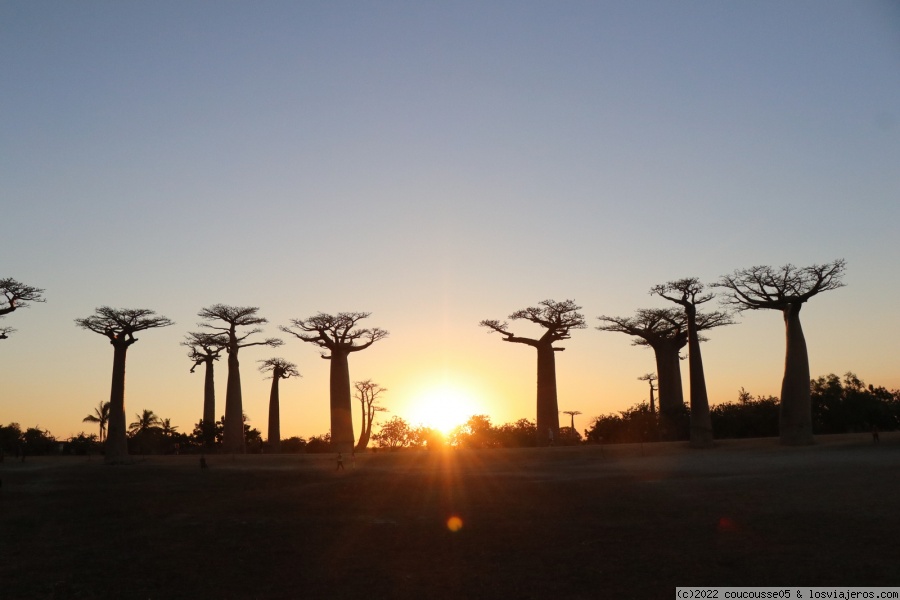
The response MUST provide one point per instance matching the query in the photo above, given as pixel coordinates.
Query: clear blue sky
(437, 164)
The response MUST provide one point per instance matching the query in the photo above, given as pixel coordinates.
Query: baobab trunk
(209, 407)
(547, 404)
(364, 436)
(671, 395)
(116, 447)
(274, 417)
(795, 417)
(701, 422)
(368, 415)
(365, 429)
(233, 434)
(341, 409)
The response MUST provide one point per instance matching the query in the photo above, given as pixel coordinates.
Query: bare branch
(650, 326)
(765, 287)
(279, 368)
(236, 316)
(686, 292)
(335, 332)
(120, 324)
(558, 318)
(17, 295)
(204, 347)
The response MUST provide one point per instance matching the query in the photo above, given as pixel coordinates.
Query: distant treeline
(839, 405)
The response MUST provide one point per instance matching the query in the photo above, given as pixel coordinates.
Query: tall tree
(572, 414)
(205, 349)
(120, 325)
(367, 392)
(787, 289)
(144, 421)
(338, 336)
(665, 331)
(234, 317)
(15, 295)
(689, 293)
(100, 416)
(650, 378)
(558, 318)
(280, 369)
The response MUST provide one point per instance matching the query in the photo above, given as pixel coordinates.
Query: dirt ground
(588, 522)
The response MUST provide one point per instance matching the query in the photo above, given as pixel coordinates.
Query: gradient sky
(438, 163)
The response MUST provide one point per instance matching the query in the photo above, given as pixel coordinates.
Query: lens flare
(454, 523)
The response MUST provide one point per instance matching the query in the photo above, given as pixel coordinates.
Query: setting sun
(443, 408)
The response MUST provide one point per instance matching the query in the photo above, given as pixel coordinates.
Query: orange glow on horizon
(443, 408)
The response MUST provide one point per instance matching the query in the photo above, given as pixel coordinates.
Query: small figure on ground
(875, 439)
(203, 464)
(550, 434)
(340, 462)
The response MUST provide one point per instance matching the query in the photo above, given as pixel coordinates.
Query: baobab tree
(367, 393)
(787, 289)
(13, 296)
(205, 349)
(234, 317)
(280, 369)
(650, 378)
(689, 293)
(572, 414)
(100, 416)
(665, 331)
(338, 336)
(120, 325)
(558, 318)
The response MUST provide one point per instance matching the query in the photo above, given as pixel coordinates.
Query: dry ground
(588, 522)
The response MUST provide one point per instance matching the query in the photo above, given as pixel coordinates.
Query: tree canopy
(762, 287)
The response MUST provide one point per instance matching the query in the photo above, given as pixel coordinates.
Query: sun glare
(443, 408)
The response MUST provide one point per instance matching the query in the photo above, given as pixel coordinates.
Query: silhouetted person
(340, 462)
(203, 464)
(875, 434)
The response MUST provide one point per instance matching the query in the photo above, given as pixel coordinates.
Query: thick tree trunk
(364, 429)
(547, 404)
(233, 435)
(209, 408)
(669, 386)
(701, 422)
(274, 442)
(341, 409)
(795, 417)
(365, 434)
(116, 446)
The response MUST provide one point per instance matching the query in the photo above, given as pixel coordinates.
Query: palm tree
(101, 416)
(146, 421)
(166, 427)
